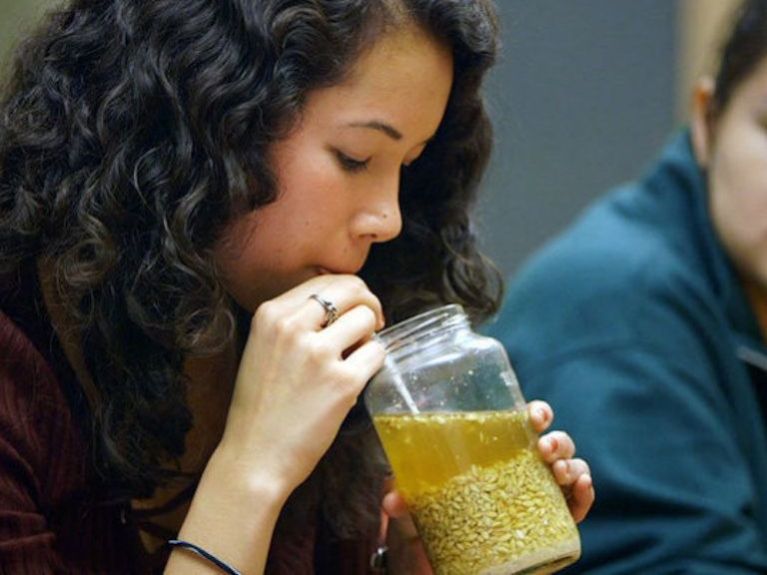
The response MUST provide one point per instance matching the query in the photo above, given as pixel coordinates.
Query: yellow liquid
(482, 499)
(428, 449)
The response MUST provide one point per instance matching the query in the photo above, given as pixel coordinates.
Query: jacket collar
(679, 166)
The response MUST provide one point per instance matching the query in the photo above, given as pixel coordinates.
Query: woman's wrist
(246, 479)
(232, 516)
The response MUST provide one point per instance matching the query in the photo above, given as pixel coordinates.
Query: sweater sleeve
(34, 420)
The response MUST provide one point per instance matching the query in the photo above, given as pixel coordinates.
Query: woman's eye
(350, 164)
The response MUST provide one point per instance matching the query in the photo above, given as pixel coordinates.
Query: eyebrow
(387, 129)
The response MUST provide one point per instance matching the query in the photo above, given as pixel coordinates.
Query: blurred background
(585, 94)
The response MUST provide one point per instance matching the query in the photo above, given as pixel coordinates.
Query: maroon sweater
(55, 515)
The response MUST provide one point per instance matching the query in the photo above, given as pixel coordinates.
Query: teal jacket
(632, 324)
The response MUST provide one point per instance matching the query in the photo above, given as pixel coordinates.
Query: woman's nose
(381, 219)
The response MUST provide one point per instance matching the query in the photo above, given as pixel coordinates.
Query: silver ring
(331, 311)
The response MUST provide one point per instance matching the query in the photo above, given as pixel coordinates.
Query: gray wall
(17, 16)
(582, 99)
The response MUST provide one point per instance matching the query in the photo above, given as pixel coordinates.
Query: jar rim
(421, 325)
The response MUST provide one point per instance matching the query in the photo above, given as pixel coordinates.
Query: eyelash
(350, 164)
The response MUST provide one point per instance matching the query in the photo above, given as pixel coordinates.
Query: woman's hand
(558, 450)
(298, 378)
(296, 381)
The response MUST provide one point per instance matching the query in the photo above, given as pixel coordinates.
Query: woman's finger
(394, 505)
(556, 445)
(581, 497)
(567, 471)
(355, 326)
(541, 415)
(366, 360)
(323, 299)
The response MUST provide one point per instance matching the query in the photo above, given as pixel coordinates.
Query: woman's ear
(702, 119)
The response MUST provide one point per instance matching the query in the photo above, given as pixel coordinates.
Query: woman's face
(338, 171)
(732, 145)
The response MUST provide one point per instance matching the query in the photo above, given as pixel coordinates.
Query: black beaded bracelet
(205, 555)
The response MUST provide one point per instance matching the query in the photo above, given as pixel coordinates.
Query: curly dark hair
(133, 131)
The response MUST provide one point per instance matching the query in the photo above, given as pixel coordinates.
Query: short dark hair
(742, 51)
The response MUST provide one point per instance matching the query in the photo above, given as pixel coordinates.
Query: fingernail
(553, 444)
(540, 413)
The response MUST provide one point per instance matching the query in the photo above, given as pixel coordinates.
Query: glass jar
(453, 423)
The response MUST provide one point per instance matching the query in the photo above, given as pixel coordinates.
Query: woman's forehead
(403, 79)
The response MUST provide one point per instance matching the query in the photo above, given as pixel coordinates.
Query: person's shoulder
(22, 366)
(614, 248)
(34, 411)
(591, 285)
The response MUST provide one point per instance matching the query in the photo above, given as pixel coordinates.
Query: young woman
(206, 211)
